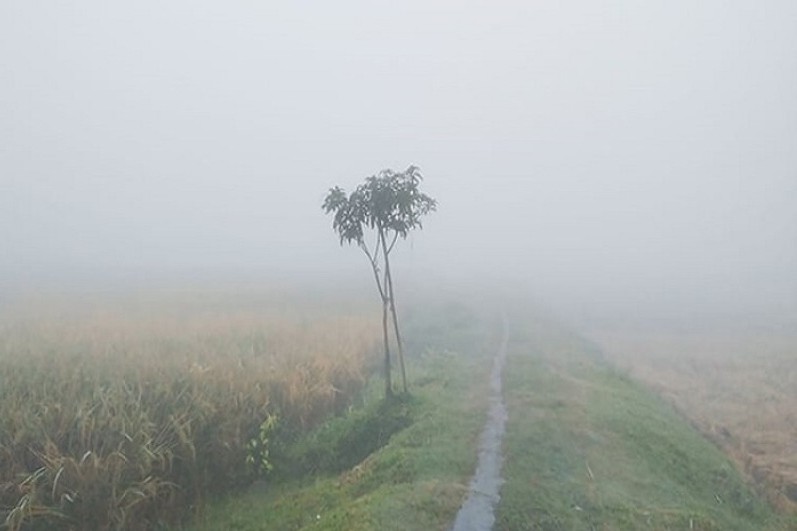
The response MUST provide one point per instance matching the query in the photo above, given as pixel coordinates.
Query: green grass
(404, 465)
(587, 448)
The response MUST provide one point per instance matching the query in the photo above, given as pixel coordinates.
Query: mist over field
(596, 326)
(611, 157)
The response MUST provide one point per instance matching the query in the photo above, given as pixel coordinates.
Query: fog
(614, 156)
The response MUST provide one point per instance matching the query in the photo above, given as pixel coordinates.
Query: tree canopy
(389, 201)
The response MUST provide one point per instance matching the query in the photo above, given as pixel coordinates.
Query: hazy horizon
(613, 155)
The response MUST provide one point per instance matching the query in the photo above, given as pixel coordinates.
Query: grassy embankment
(588, 448)
(404, 465)
(735, 383)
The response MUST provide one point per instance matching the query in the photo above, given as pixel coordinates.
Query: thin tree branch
(390, 248)
(375, 268)
(376, 245)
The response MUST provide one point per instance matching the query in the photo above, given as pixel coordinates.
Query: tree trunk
(383, 295)
(388, 385)
(392, 299)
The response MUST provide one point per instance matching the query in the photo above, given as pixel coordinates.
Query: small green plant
(258, 459)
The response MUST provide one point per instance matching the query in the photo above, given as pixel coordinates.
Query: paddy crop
(130, 414)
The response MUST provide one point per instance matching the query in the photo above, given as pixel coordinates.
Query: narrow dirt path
(477, 513)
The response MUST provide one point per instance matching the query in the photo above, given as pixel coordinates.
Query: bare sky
(646, 147)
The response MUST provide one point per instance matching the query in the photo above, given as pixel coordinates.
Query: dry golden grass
(118, 415)
(739, 388)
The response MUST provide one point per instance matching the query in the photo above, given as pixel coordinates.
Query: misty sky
(642, 145)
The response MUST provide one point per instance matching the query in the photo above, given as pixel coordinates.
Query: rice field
(738, 387)
(129, 412)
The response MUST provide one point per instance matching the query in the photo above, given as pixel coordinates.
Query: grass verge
(588, 448)
(404, 465)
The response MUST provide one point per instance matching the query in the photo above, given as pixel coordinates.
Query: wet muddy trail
(477, 513)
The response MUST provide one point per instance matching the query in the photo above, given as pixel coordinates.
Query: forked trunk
(388, 288)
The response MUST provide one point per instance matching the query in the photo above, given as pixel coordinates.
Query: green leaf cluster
(388, 202)
(258, 457)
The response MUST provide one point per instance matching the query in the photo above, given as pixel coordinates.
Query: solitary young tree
(385, 207)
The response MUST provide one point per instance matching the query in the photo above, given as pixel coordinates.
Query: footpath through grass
(404, 465)
(587, 448)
